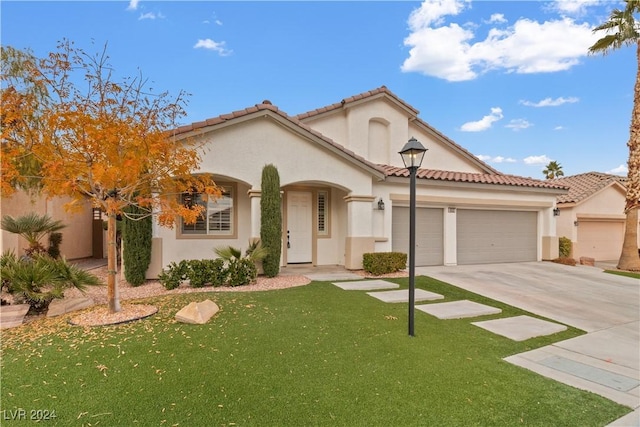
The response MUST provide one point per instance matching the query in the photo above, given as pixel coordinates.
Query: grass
(313, 355)
(624, 273)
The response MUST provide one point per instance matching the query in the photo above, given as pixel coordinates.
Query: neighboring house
(338, 165)
(77, 241)
(592, 214)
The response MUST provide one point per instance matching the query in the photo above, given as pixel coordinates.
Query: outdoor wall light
(412, 154)
(380, 204)
(556, 212)
(575, 223)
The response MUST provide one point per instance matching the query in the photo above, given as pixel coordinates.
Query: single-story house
(345, 190)
(592, 214)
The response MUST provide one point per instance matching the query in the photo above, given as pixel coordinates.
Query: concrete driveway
(606, 360)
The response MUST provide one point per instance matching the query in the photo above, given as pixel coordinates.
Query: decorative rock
(584, 260)
(12, 315)
(67, 305)
(197, 312)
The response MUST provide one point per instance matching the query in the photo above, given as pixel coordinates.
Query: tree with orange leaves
(106, 141)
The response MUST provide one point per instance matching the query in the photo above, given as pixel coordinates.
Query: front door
(299, 233)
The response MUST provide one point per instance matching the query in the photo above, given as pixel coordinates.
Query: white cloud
(496, 159)
(133, 5)
(549, 102)
(213, 45)
(518, 124)
(484, 123)
(573, 7)
(449, 51)
(559, 127)
(498, 18)
(620, 170)
(151, 15)
(537, 160)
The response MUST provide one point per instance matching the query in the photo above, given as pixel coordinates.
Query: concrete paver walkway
(604, 305)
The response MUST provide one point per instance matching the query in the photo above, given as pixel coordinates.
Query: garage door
(601, 240)
(496, 236)
(429, 226)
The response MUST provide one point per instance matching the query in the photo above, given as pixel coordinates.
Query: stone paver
(521, 328)
(457, 309)
(12, 315)
(402, 295)
(366, 285)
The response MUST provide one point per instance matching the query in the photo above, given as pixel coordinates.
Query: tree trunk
(112, 288)
(629, 259)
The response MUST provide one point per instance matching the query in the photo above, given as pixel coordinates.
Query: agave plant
(32, 227)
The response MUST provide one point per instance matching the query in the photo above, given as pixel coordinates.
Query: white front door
(299, 233)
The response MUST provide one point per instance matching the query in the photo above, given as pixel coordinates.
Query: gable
(377, 124)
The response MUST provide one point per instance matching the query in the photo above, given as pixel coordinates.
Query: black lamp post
(412, 154)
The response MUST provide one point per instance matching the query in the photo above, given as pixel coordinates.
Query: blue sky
(510, 81)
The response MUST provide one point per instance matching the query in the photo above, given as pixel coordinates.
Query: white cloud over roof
(550, 102)
(537, 160)
(451, 51)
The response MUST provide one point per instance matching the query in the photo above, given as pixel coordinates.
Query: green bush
(174, 274)
(39, 280)
(199, 272)
(206, 272)
(136, 238)
(271, 220)
(564, 247)
(241, 271)
(384, 262)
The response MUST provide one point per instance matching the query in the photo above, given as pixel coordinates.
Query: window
(323, 212)
(218, 219)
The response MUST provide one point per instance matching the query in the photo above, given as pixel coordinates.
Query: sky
(510, 81)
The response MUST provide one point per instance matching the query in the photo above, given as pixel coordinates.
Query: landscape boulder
(197, 312)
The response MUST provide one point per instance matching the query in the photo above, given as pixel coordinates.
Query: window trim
(233, 234)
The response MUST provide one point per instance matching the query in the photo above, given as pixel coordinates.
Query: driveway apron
(606, 360)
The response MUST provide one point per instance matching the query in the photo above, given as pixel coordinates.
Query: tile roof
(480, 178)
(413, 113)
(494, 177)
(585, 185)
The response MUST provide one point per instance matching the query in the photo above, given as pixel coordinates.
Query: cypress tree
(271, 220)
(136, 237)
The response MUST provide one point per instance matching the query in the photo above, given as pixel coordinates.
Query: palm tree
(32, 227)
(622, 29)
(553, 170)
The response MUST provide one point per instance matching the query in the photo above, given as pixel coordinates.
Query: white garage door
(429, 226)
(601, 240)
(496, 236)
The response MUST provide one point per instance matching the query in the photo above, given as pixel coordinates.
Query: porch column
(254, 197)
(360, 239)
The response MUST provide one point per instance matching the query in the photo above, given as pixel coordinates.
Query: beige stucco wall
(76, 236)
(359, 127)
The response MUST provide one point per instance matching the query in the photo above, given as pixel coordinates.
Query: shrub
(174, 274)
(39, 280)
(564, 247)
(384, 262)
(136, 238)
(271, 220)
(55, 239)
(206, 272)
(241, 271)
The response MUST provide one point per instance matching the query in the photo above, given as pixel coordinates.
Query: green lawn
(624, 273)
(313, 355)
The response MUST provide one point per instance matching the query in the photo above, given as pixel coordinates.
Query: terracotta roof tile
(481, 178)
(584, 185)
